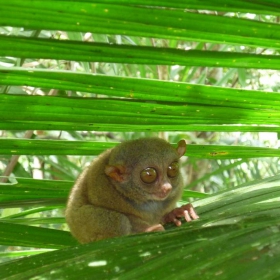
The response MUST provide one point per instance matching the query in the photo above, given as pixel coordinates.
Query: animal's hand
(187, 211)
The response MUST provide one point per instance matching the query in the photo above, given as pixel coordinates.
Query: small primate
(128, 189)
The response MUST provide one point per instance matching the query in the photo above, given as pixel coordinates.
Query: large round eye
(173, 169)
(148, 175)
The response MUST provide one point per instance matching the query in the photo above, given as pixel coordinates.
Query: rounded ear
(181, 149)
(116, 172)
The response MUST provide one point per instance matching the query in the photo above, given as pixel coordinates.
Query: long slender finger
(193, 213)
(187, 216)
(158, 227)
(177, 222)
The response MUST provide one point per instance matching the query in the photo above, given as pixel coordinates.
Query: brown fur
(109, 198)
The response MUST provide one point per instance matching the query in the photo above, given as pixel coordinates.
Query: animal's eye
(148, 175)
(173, 169)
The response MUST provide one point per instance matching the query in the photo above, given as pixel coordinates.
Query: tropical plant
(76, 77)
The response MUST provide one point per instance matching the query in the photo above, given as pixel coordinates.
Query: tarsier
(128, 189)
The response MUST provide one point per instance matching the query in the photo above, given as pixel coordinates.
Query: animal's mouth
(160, 195)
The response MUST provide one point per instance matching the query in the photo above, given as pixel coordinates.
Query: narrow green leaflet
(38, 112)
(29, 192)
(34, 210)
(141, 89)
(59, 147)
(101, 52)
(138, 21)
(12, 234)
(34, 221)
(23, 253)
(263, 7)
(52, 147)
